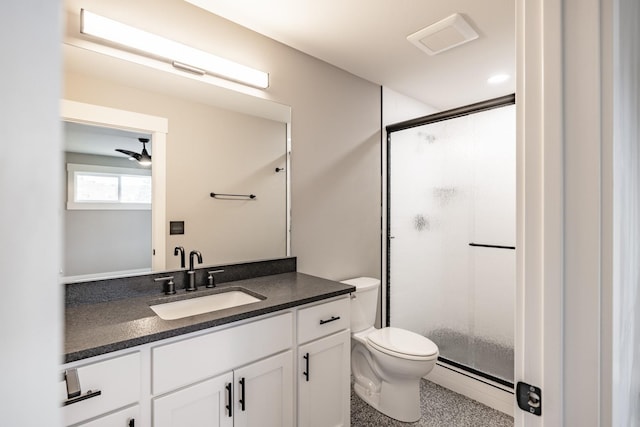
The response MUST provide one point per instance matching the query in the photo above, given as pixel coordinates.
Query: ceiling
(87, 139)
(368, 39)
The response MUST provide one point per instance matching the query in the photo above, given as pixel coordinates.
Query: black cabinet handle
(230, 400)
(88, 395)
(132, 423)
(333, 319)
(482, 245)
(242, 401)
(306, 373)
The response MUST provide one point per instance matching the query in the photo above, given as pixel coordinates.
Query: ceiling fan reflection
(143, 158)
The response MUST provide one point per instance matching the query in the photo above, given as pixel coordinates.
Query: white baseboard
(496, 397)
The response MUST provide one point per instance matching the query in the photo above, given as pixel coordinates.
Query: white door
(205, 404)
(263, 395)
(323, 382)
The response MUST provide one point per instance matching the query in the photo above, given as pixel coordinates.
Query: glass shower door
(451, 199)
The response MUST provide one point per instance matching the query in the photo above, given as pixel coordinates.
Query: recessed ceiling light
(498, 78)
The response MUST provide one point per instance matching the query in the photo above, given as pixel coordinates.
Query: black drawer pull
(230, 400)
(74, 392)
(333, 319)
(88, 395)
(306, 373)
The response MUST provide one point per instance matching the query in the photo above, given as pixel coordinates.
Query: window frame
(74, 168)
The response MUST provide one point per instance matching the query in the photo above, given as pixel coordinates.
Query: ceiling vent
(443, 35)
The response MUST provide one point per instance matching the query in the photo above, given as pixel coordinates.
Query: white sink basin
(206, 304)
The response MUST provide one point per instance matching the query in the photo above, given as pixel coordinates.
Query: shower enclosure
(451, 234)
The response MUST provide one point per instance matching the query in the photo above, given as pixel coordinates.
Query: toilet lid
(402, 342)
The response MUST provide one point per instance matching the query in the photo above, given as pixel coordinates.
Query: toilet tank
(363, 306)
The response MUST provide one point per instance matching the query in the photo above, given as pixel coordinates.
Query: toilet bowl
(387, 364)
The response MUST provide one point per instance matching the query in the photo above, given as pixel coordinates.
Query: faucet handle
(169, 288)
(210, 281)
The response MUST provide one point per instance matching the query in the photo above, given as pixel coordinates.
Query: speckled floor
(440, 407)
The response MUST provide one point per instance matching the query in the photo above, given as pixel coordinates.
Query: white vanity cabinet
(106, 385)
(324, 364)
(255, 387)
(285, 369)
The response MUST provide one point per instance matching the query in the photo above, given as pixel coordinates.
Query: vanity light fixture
(181, 56)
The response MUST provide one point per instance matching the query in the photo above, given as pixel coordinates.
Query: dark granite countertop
(96, 328)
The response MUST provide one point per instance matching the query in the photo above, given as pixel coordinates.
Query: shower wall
(452, 183)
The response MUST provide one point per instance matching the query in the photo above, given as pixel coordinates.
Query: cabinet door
(323, 381)
(201, 405)
(264, 393)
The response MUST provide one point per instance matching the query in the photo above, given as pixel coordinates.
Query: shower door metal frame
(466, 110)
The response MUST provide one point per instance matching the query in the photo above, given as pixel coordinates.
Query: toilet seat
(403, 344)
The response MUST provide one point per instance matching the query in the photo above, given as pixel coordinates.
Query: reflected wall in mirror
(233, 154)
(208, 149)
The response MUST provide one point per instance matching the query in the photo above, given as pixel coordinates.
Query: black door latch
(529, 398)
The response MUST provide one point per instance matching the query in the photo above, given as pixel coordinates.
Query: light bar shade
(169, 50)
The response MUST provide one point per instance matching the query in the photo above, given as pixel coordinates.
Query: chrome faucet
(191, 272)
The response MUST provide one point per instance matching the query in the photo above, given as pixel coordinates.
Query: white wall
(30, 306)
(398, 107)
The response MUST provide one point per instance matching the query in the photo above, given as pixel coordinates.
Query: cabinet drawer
(194, 359)
(124, 418)
(117, 379)
(323, 319)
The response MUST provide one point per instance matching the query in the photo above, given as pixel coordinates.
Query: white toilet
(388, 363)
